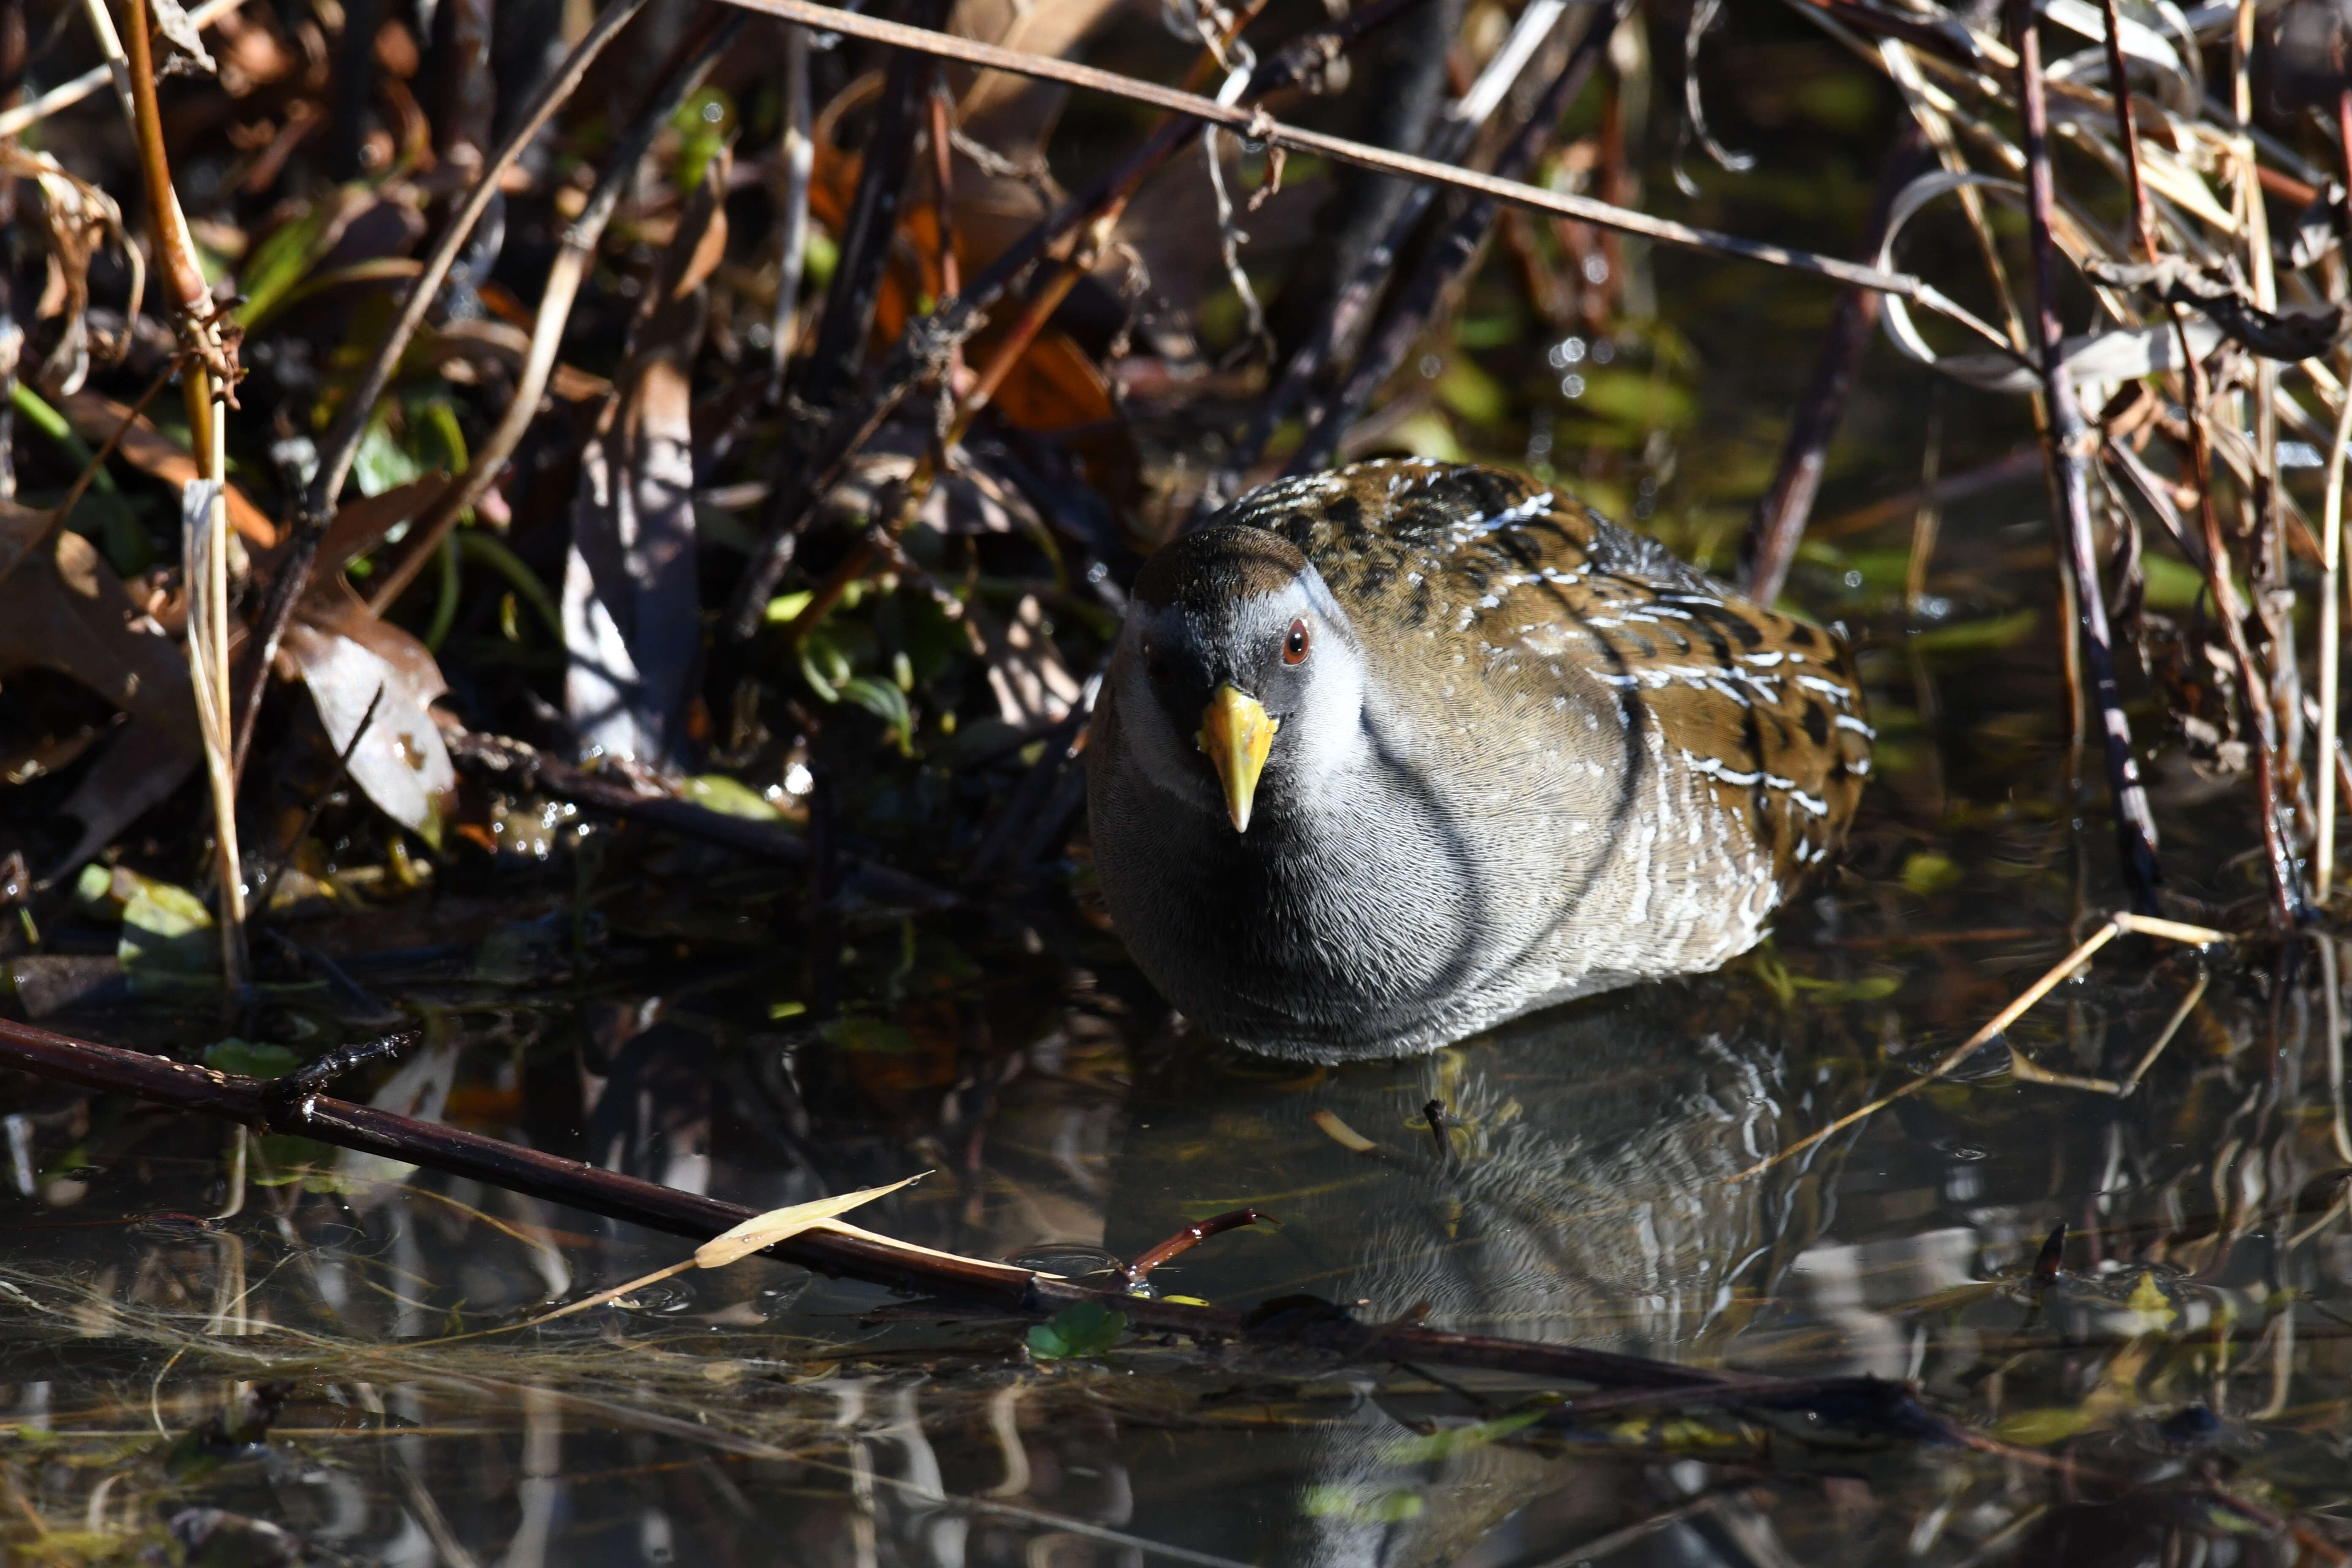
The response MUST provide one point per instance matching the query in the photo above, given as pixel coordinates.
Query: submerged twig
(833, 1248)
(1184, 1240)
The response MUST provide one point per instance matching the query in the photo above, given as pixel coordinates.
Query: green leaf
(1427, 435)
(824, 667)
(883, 700)
(1869, 988)
(1469, 391)
(730, 798)
(1086, 1328)
(1359, 1505)
(874, 1035)
(251, 1058)
(95, 887)
(1974, 637)
(1448, 1441)
(2171, 584)
(1635, 397)
(274, 266)
(382, 463)
(1926, 872)
(2037, 1428)
(167, 933)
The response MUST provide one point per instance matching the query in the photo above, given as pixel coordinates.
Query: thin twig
(316, 507)
(66, 94)
(556, 296)
(2127, 135)
(2070, 455)
(1184, 1240)
(1445, 262)
(1777, 524)
(870, 232)
(799, 157)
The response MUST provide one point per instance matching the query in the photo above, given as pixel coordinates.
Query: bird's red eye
(1294, 646)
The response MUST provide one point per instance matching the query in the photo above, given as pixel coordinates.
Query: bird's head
(1239, 678)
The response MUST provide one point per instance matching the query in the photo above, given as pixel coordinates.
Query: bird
(1387, 755)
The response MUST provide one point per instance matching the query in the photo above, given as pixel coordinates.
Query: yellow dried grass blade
(764, 1230)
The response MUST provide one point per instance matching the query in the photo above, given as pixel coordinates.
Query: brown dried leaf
(63, 608)
(96, 418)
(187, 46)
(361, 524)
(79, 217)
(346, 655)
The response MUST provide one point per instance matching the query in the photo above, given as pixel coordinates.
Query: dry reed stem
(2070, 454)
(2331, 593)
(1259, 126)
(207, 372)
(66, 94)
(340, 447)
(2117, 925)
(566, 273)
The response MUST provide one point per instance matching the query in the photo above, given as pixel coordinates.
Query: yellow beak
(1237, 733)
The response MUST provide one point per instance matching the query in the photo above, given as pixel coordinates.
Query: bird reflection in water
(1577, 1191)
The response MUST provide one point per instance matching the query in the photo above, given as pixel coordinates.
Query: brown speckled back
(1543, 758)
(1766, 709)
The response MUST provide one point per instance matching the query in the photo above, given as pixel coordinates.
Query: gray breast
(1393, 910)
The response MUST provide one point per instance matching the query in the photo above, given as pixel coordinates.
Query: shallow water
(2172, 1390)
(1590, 1189)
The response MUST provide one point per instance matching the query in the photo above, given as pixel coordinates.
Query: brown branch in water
(1191, 1236)
(836, 1249)
(1778, 525)
(316, 507)
(2070, 457)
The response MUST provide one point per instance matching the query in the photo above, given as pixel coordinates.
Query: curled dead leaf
(346, 657)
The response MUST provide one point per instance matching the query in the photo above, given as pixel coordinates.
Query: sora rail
(1389, 754)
